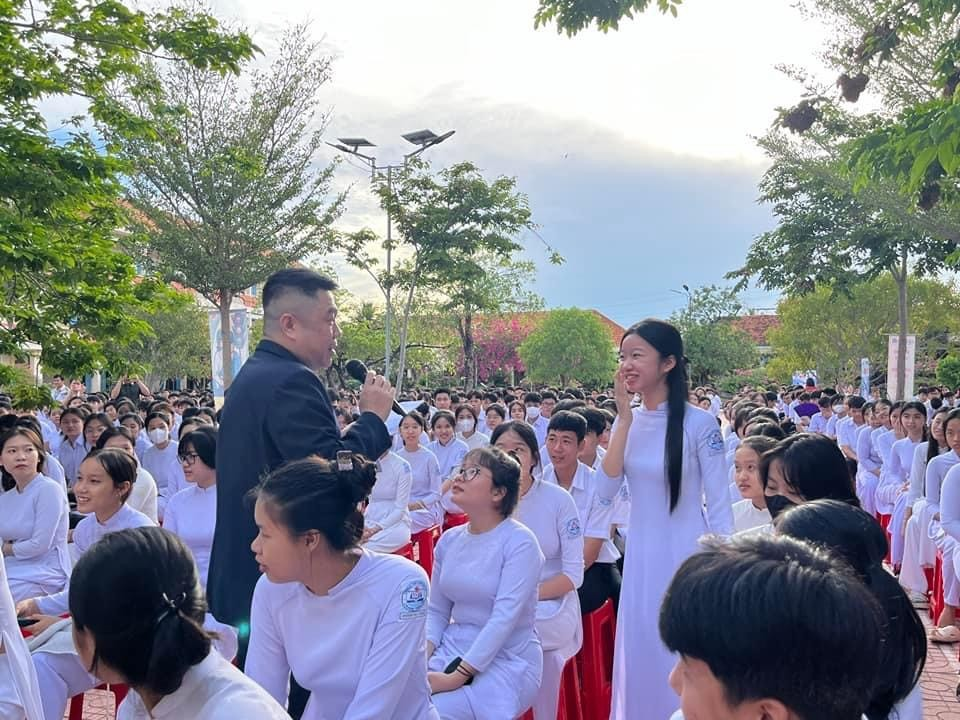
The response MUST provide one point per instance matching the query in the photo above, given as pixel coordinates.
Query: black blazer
(276, 410)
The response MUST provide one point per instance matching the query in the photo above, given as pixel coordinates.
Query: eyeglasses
(467, 473)
(189, 459)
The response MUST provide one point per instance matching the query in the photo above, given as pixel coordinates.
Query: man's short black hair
(548, 395)
(776, 618)
(532, 397)
(301, 280)
(596, 419)
(567, 421)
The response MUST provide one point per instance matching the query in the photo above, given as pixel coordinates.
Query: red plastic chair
(453, 519)
(571, 698)
(936, 596)
(884, 521)
(423, 544)
(406, 551)
(595, 661)
(76, 702)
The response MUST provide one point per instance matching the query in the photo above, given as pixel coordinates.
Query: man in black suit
(278, 410)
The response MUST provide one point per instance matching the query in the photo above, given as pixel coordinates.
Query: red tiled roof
(756, 326)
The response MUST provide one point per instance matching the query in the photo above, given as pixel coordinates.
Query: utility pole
(423, 139)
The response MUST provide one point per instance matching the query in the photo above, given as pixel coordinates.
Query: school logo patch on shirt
(413, 600)
(715, 442)
(573, 528)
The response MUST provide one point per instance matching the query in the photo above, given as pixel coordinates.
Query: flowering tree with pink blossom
(496, 341)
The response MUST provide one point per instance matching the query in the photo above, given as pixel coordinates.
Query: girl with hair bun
(347, 622)
(144, 629)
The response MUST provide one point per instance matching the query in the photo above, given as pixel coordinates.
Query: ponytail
(666, 340)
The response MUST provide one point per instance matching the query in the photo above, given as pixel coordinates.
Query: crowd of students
(569, 499)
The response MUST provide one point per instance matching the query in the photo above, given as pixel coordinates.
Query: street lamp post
(423, 139)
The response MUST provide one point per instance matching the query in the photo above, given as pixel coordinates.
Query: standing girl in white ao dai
(347, 622)
(484, 653)
(672, 457)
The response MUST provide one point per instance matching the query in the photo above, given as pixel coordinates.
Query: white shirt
(950, 503)
(937, 469)
(540, 426)
(360, 650)
(391, 493)
(192, 514)
(70, 455)
(143, 497)
(212, 690)
(847, 433)
(425, 471)
(449, 456)
(596, 512)
(746, 516)
(164, 465)
(818, 423)
(477, 440)
(551, 514)
(36, 521)
(86, 533)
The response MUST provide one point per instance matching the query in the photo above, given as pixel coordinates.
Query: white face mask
(838, 409)
(533, 413)
(158, 435)
(464, 426)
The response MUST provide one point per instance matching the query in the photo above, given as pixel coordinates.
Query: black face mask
(776, 504)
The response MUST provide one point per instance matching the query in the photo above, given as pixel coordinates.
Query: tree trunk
(469, 349)
(901, 279)
(225, 300)
(402, 362)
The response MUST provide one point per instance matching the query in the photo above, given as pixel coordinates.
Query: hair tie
(172, 606)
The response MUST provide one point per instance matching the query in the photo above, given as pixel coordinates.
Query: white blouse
(425, 471)
(167, 471)
(212, 690)
(391, 493)
(360, 649)
(36, 521)
(143, 497)
(596, 512)
(192, 514)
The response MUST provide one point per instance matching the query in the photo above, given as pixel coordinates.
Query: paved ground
(939, 688)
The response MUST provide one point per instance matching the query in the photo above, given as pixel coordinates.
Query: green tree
(573, 16)
(62, 282)
(454, 226)
(570, 345)
(831, 331)
(948, 371)
(228, 186)
(177, 346)
(713, 346)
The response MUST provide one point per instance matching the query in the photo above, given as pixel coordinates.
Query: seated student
(494, 415)
(72, 449)
(854, 535)
(347, 622)
(770, 627)
(93, 427)
(802, 468)
(894, 490)
(33, 518)
(551, 514)
(518, 411)
(143, 496)
(750, 512)
(51, 466)
(449, 452)
(425, 509)
(482, 646)
(134, 423)
(163, 653)
(102, 487)
(467, 428)
(386, 518)
(821, 420)
(601, 580)
(192, 512)
(162, 459)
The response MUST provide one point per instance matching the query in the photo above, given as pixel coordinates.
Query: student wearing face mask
(539, 423)
(805, 467)
(467, 428)
(162, 461)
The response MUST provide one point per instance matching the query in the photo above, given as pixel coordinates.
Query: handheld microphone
(358, 371)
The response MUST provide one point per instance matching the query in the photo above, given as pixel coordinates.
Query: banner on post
(864, 377)
(239, 347)
(893, 364)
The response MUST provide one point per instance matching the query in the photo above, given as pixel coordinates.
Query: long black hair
(666, 340)
(933, 446)
(858, 538)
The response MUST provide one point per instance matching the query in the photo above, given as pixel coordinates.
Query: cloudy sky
(634, 147)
